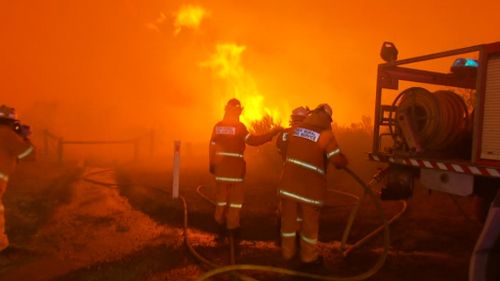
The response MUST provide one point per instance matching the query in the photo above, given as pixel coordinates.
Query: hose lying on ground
(380, 262)
(235, 267)
(204, 261)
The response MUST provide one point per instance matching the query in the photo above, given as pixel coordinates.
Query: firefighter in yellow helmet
(298, 115)
(14, 146)
(227, 145)
(311, 148)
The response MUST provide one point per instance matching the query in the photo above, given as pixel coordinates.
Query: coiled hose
(380, 262)
(438, 120)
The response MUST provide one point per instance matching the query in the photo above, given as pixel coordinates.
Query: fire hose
(380, 262)
(217, 269)
(204, 261)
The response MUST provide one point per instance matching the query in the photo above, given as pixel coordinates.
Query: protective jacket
(311, 148)
(12, 148)
(227, 145)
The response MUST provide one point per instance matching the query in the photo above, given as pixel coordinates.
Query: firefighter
(298, 115)
(227, 144)
(311, 148)
(14, 146)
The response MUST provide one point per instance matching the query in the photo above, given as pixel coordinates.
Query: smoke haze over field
(113, 69)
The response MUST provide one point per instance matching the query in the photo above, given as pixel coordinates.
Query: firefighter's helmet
(7, 112)
(298, 115)
(326, 108)
(234, 105)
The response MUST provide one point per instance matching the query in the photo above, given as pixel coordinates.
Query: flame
(226, 64)
(189, 16)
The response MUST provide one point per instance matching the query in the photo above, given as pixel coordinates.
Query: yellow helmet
(7, 113)
(298, 115)
(326, 108)
(234, 105)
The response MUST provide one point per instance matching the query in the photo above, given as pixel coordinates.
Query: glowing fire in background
(189, 16)
(226, 64)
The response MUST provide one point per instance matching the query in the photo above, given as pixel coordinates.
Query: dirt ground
(63, 227)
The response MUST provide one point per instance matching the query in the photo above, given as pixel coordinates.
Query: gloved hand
(22, 130)
(276, 130)
(340, 161)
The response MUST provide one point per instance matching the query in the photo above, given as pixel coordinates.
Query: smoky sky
(92, 68)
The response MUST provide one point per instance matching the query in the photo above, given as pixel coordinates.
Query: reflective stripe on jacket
(229, 154)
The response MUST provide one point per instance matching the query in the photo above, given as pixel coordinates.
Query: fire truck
(437, 120)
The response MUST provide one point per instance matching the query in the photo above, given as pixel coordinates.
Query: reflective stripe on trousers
(288, 234)
(228, 179)
(308, 240)
(301, 198)
(306, 165)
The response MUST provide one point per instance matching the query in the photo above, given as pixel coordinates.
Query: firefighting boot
(235, 239)
(221, 234)
(277, 242)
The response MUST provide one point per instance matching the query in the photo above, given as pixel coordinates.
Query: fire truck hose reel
(433, 121)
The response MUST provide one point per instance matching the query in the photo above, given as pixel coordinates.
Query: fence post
(176, 169)
(60, 150)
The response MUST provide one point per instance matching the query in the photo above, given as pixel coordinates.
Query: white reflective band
(222, 130)
(221, 203)
(299, 219)
(230, 154)
(300, 198)
(305, 165)
(4, 177)
(308, 240)
(236, 206)
(212, 143)
(284, 137)
(25, 153)
(306, 134)
(228, 179)
(288, 234)
(246, 137)
(333, 153)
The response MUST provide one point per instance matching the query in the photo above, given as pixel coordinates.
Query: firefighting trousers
(307, 230)
(4, 242)
(228, 203)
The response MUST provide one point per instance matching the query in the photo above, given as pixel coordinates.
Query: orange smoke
(239, 83)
